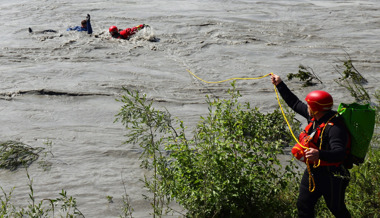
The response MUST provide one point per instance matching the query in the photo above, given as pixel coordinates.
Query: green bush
(363, 193)
(230, 167)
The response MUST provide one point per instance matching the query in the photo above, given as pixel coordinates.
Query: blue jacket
(81, 29)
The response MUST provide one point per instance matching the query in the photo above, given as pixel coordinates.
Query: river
(61, 87)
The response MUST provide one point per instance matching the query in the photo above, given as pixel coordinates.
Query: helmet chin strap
(313, 113)
(317, 114)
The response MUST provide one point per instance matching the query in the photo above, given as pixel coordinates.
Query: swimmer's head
(84, 23)
(113, 30)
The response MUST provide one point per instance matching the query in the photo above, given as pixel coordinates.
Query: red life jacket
(311, 141)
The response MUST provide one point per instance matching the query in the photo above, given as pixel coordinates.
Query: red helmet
(319, 100)
(113, 30)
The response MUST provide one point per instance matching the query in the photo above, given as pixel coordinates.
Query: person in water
(85, 26)
(124, 34)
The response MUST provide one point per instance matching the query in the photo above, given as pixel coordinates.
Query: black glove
(88, 17)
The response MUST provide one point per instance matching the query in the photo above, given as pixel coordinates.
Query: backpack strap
(348, 159)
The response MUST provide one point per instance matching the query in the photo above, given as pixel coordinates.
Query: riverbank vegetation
(230, 166)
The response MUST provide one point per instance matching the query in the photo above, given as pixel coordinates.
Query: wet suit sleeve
(337, 139)
(89, 28)
(77, 28)
(292, 100)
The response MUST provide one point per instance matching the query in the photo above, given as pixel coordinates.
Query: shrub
(230, 167)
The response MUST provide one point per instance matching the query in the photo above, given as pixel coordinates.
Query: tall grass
(62, 206)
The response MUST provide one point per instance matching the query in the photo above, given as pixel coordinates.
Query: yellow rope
(311, 178)
(275, 89)
(283, 114)
(226, 79)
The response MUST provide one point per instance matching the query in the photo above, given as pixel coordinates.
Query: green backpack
(360, 122)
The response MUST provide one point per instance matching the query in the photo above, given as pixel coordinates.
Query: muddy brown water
(62, 86)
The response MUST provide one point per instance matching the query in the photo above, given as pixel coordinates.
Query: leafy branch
(306, 75)
(353, 81)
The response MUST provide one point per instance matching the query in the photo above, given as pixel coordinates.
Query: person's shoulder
(335, 118)
(338, 126)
